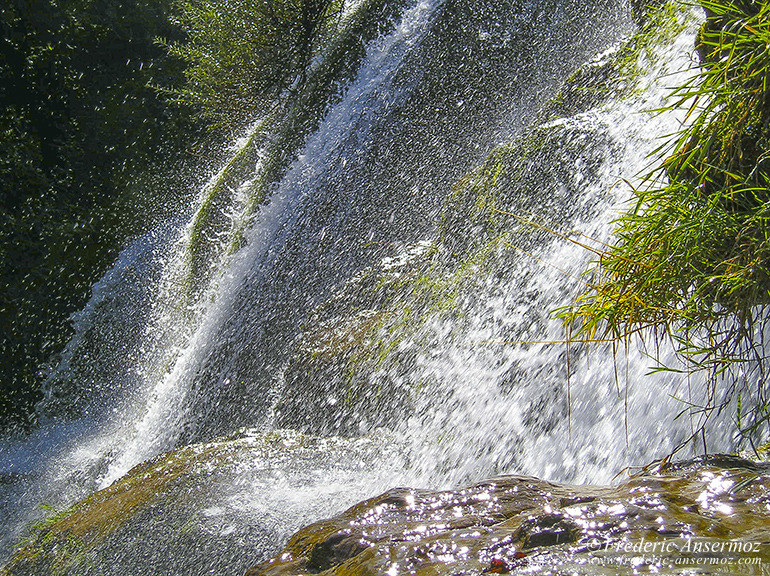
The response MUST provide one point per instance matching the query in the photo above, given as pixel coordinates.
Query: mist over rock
(214, 507)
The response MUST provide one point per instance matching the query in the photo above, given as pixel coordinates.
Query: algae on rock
(202, 508)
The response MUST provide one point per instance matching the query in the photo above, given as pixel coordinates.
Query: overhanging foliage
(240, 54)
(692, 257)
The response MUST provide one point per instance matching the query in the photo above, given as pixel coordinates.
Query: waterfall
(166, 415)
(507, 393)
(327, 263)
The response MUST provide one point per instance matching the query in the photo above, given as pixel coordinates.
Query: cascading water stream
(487, 392)
(67, 461)
(165, 415)
(511, 395)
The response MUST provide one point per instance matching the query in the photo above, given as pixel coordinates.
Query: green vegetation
(102, 123)
(241, 54)
(285, 121)
(692, 260)
(80, 131)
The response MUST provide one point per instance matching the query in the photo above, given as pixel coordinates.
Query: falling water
(512, 396)
(464, 395)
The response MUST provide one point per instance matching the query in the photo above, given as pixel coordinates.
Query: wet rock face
(213, 508)
(333, 383)
(710, 516)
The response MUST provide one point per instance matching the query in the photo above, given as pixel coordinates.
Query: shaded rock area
(707, 516)
(212, 508)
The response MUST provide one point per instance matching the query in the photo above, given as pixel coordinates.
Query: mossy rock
(541, 177)
(273, 144)
(206, 508)
(334, 383)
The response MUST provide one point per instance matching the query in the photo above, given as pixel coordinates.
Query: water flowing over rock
(220, 507)
(365, 289)
(206, 508)
(710, 516)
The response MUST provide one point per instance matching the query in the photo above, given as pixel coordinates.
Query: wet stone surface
(706, 516)
(212, 508)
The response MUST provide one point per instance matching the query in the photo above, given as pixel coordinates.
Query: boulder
(710, 515)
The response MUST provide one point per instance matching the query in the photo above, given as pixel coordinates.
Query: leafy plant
(81, 135)
(692, 258)
(240, 54)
